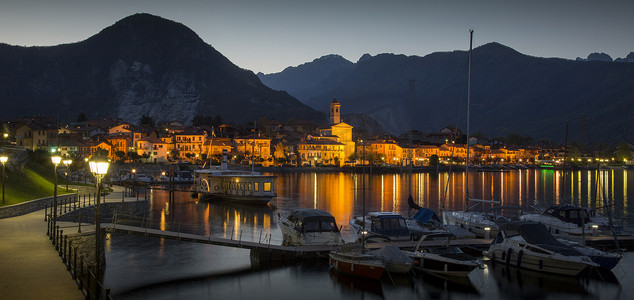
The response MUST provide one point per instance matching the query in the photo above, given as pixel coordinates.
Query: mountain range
(141, 65)
(511, 93)
(147, 65)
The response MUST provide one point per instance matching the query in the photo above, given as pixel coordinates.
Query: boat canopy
(312, 220)
(389, 224)
(569, 213)
(537, 234)
(424, 215)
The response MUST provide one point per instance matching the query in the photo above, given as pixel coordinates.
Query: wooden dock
(268, 251)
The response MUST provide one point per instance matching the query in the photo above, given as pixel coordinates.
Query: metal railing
(80, 271)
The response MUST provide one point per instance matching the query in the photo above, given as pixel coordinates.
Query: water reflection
(138, 262)
(518, 283)
(341, 193)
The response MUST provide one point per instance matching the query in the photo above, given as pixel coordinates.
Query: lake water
(151, 268)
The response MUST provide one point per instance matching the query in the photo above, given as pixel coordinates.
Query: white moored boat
(570, 221)
(306, 226)
(220, 183)
(529, 245)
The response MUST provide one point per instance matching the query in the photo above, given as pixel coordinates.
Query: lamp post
(67, 163)
(99, 168)
(3, 160)
(56, 159)
(134, 183)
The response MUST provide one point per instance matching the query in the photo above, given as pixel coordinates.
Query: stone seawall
(31, 206)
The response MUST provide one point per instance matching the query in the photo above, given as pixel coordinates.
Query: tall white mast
(466, 194)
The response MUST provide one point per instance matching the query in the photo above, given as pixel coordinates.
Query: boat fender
(519, 258)
(493, 258)
(508, 256)
(503, 256)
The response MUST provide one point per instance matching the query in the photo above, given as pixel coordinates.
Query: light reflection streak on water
(519, 193)
(315, 190)
(625, 191)
(396, 191)
(382, 194)
(502, 190)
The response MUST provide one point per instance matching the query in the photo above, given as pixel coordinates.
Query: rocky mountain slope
(143, 64)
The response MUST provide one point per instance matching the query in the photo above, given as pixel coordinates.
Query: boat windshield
(320, 226)
(390, 226)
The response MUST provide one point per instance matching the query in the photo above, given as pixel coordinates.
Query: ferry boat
(306, 226)
(221, 183)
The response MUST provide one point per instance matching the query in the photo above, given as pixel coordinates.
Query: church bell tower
(335, 117)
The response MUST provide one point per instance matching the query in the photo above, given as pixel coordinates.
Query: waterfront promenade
(30, 267)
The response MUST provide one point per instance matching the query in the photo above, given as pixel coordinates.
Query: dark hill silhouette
(143, 64)
(511, 93)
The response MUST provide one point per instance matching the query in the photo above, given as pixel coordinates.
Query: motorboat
(306, 226)
(530, 245)
(446, 260)
(482, 224)
(354, 259)
(606, 260)
(221, 183)
(388, 224)
(570, 221)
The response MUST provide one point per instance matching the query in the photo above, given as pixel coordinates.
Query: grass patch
(33, 182)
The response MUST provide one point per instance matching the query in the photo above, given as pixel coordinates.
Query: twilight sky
(269, 35)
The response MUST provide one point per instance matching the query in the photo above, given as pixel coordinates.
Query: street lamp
(56, 159)
(134, 183)
(67, 163)
(99, 168)
(3, 160)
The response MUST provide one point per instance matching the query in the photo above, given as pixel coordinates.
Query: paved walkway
(30, 267)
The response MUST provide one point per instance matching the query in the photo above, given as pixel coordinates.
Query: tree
(280, 151)
(146, 121)
(433, 160)
(120, 154)
(81, 118)
(133, 156)
(623, 152)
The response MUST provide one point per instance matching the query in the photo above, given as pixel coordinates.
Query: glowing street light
(3, 160)
(56, 159)
(99, 168)
(67, 163)
(134, 184)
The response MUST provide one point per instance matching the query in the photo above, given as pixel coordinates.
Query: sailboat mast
(466, 194)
